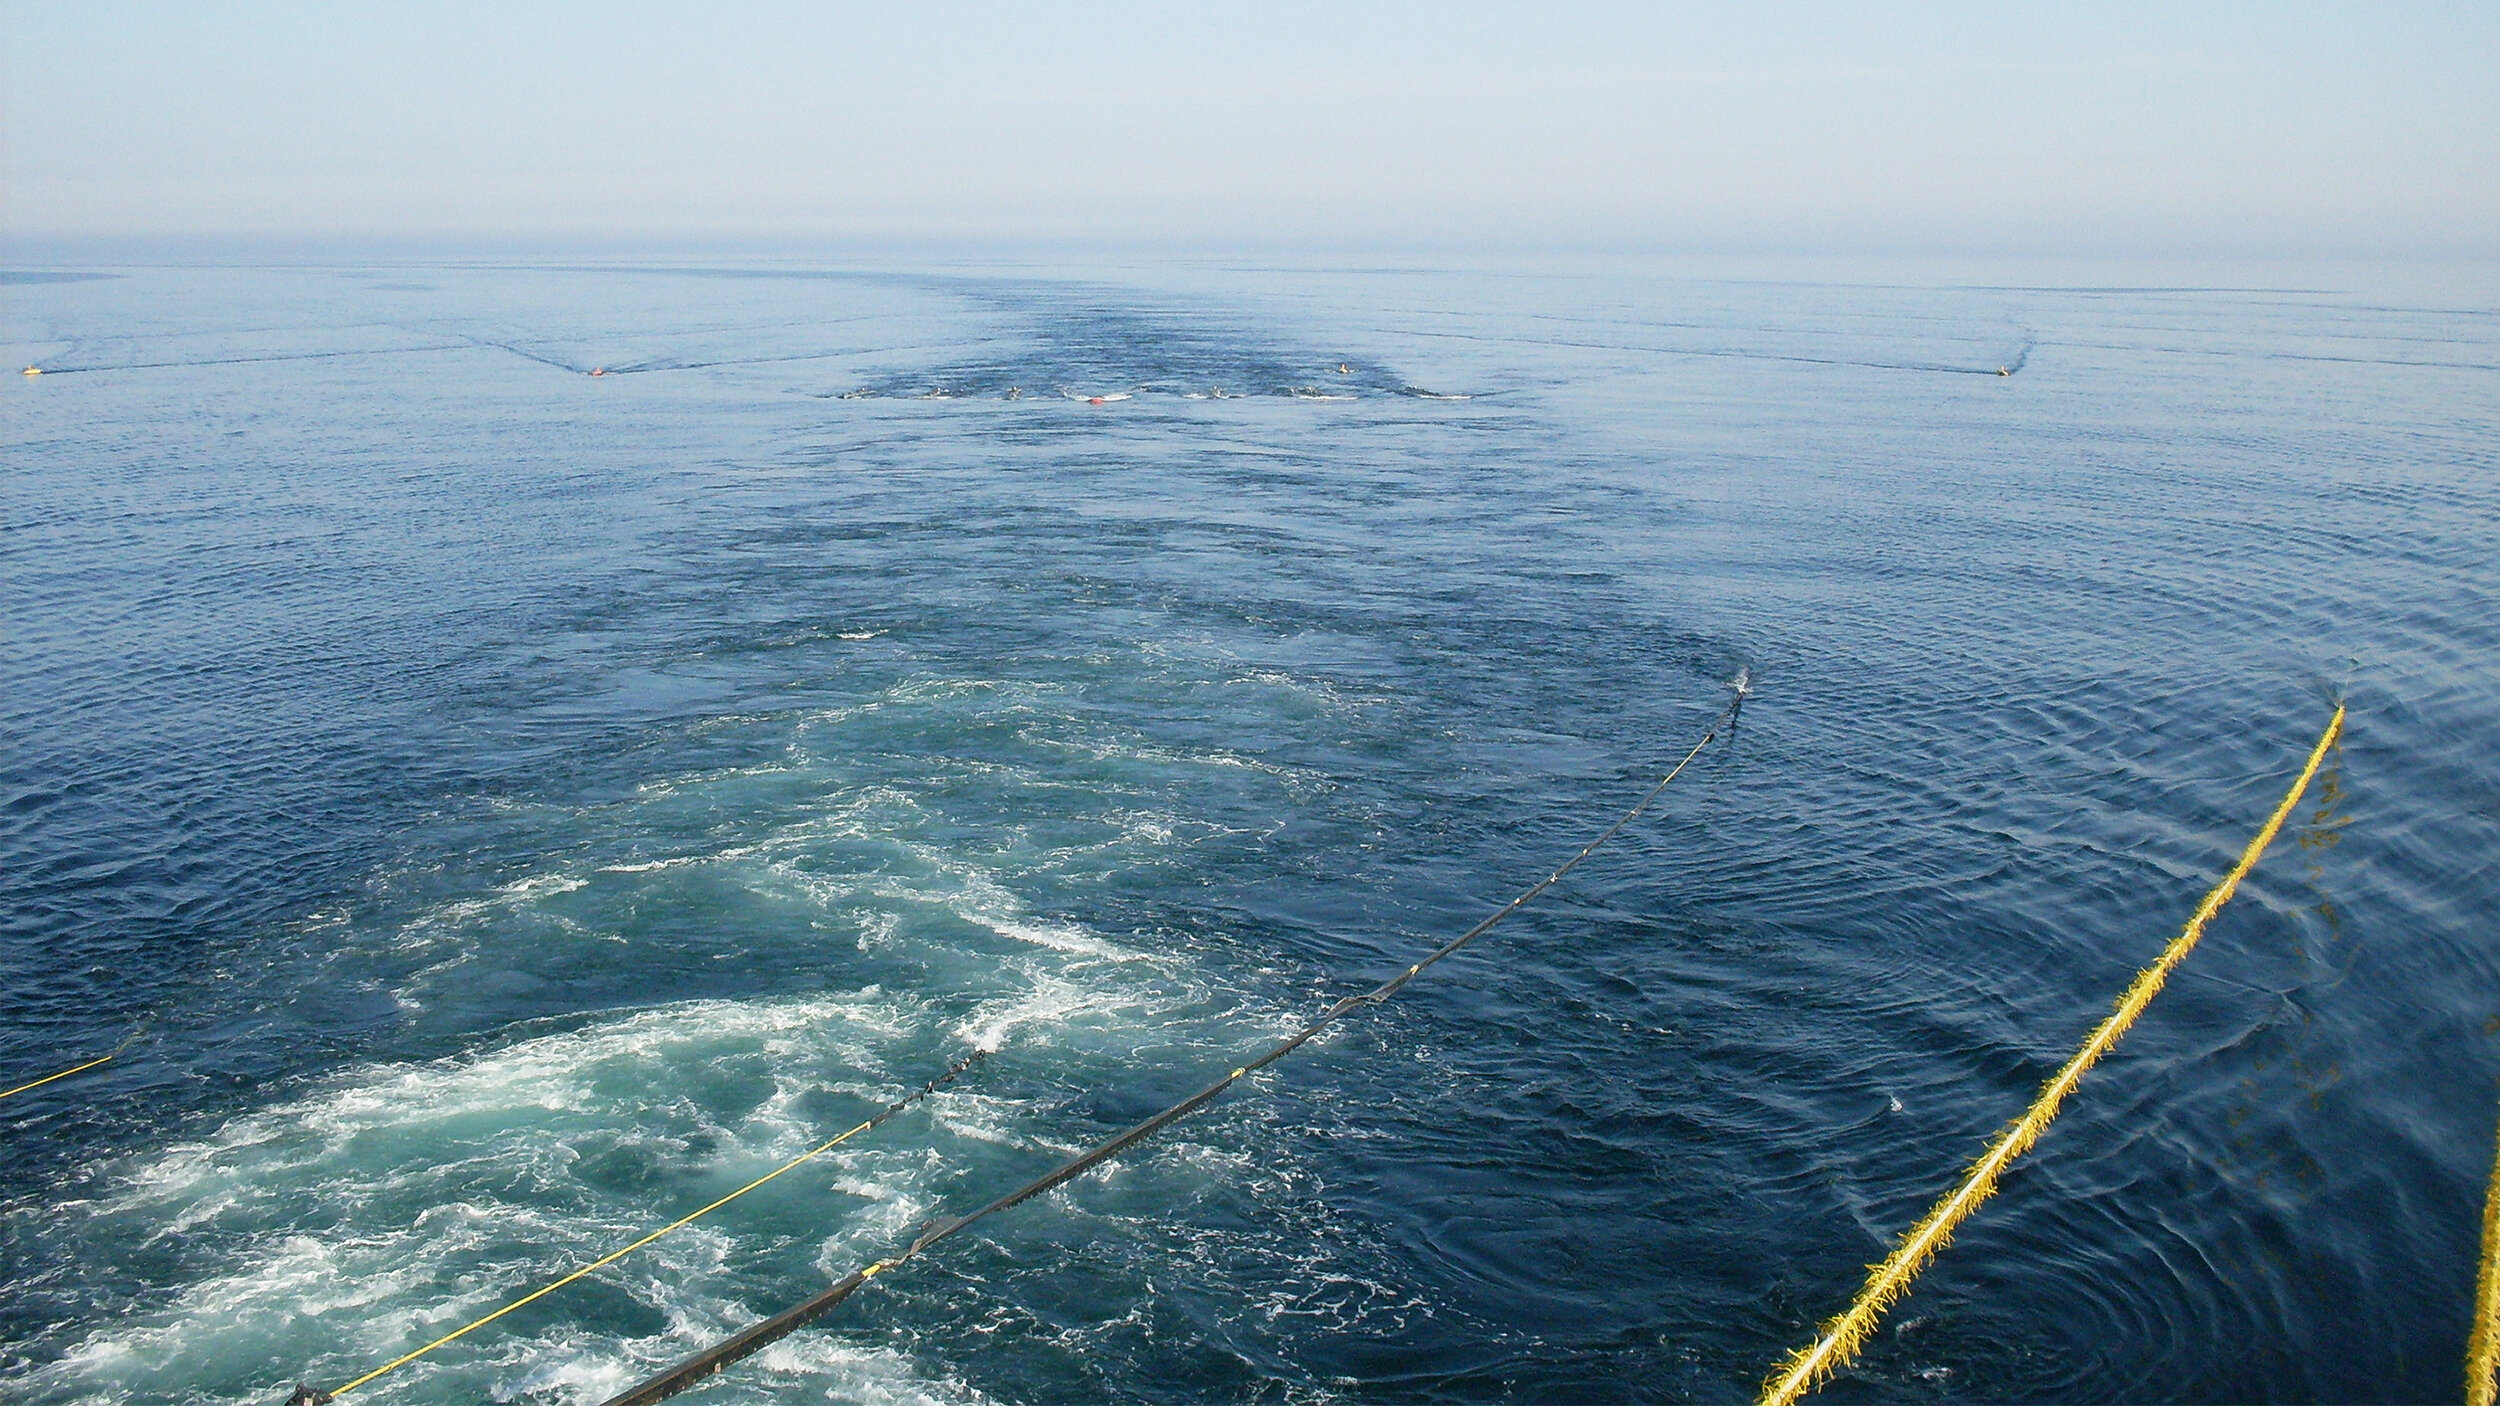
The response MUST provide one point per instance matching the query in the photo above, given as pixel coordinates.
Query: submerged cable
(780, 1325)
(1843, 1336)
(307, 1396)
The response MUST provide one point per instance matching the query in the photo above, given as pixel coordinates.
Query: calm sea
(511, 806)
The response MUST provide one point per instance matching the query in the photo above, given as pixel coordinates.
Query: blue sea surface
(511, 806)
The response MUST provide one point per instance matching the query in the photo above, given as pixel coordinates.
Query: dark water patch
(1100, 352)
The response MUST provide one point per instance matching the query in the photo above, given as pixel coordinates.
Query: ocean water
(511, 806)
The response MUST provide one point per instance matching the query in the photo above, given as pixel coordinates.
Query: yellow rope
(680, 1223)
(1843, 1336)
(2482, 1351)
(48, 1078)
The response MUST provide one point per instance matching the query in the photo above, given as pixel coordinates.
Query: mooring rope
(2482, 1350)
(1843, 1336)
(780, 1325)
(307, 1396)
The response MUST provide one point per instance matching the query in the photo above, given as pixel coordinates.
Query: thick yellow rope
(2482, 1351)
(48, 1078)
(1843, 1336)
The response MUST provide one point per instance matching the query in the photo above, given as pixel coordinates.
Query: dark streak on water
(518, 805)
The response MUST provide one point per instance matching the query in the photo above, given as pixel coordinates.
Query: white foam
(1059, 937)
(866, 1376)
(399, 1163)
(654, 866)
(1050, 1001)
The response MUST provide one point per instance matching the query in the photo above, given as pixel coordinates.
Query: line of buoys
(1842, 1336)
(704, 1364)
(2021, 359)
(313, 1396)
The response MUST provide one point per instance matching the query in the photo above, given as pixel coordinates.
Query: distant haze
(2207, 129)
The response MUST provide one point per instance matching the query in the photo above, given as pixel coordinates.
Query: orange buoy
(598, 371)
(1093, 400)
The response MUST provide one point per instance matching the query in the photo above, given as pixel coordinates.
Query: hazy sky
(2077, 128)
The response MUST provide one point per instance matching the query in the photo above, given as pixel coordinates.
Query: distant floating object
(2005, 370)
(33, 371)
(1093, 400)
(598, 371)
(1345, 368)
(1015, 392)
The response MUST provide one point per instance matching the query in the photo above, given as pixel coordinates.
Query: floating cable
(48, 1078)
(240, 360)
(1843, 1336)
(76, 1068)
(308, 1396)
(782, 1324)
(2482, 1351)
